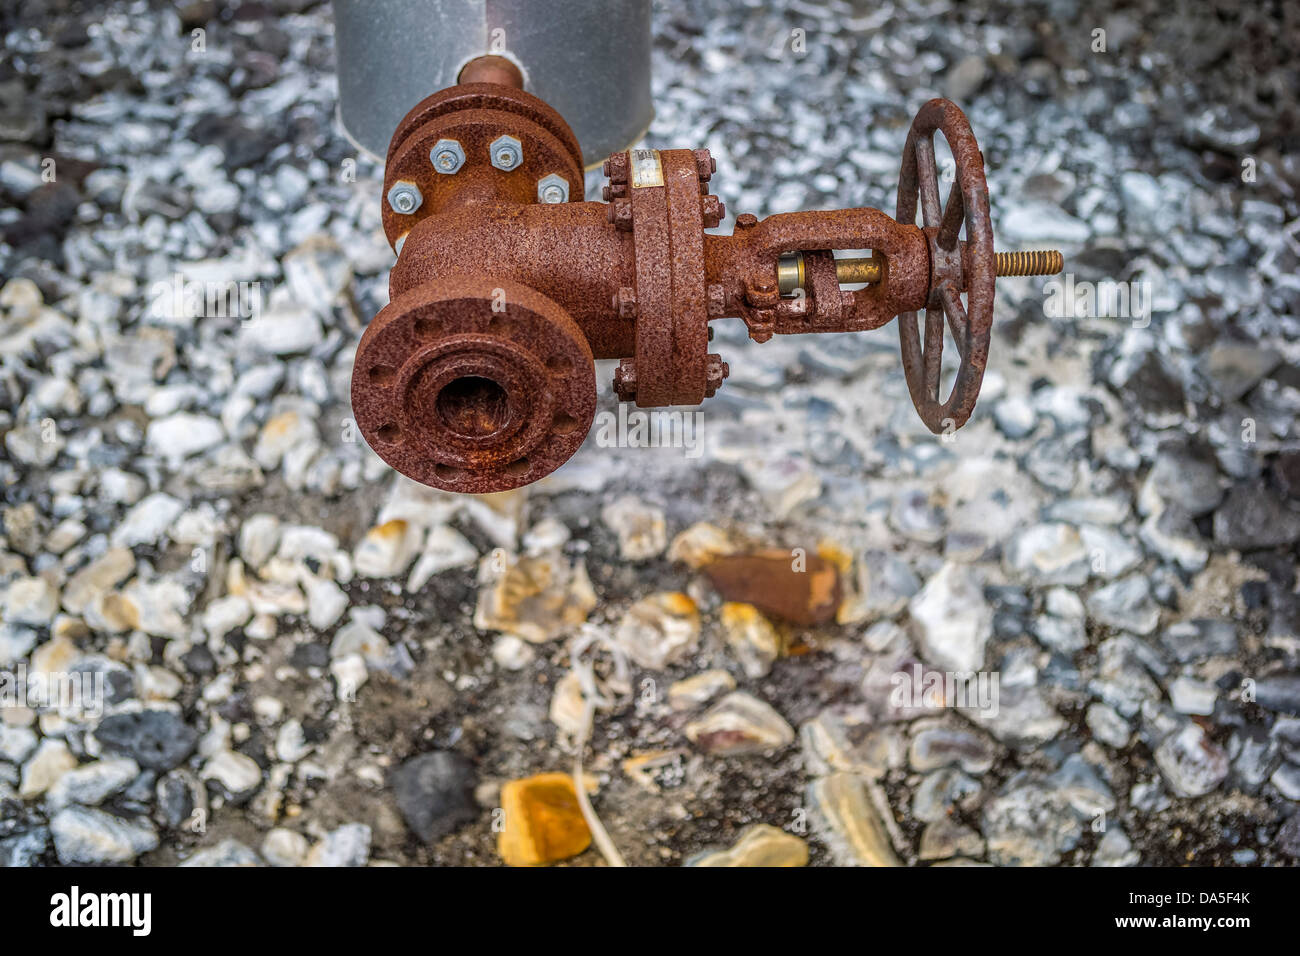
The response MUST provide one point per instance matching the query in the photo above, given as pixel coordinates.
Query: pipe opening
(473, 406)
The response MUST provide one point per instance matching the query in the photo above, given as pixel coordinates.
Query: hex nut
(552, 189)
(405, 197)
(447, 156)
(507, 153)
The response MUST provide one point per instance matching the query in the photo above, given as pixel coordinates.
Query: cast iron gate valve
(479, 374)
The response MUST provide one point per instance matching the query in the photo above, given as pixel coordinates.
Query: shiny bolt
(447, 156)
(552, 189)
(405, 197)
(507, 152)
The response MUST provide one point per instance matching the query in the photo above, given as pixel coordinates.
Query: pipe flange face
(477, 131)
(672, 324)
(507, 153)
(472, 385)
(486, 96)
(447, 157)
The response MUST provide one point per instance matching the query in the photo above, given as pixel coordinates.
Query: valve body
(479, 375)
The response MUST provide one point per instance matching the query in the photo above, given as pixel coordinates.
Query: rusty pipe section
(479, 375)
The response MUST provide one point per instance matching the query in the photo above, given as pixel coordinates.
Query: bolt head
(552, 189)
(447, 156)
(405, 197)
(507, 153)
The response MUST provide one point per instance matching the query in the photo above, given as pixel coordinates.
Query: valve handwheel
(956, 267)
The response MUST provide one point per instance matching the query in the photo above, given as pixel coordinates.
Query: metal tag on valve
(647, 170)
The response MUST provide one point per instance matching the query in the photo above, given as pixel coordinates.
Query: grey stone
(1280, 692)
(227, 853)
(435, 792)
(1031, 825)
(1254, 516)
(1126, 605)
(156, 739)
(1192, 764)
(1197, 639)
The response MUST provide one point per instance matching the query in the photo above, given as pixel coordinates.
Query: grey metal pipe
(589, 59)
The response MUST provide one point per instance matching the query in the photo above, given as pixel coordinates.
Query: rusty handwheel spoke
(927, 171)
(956, 312)
(954, 214)
(933, 353)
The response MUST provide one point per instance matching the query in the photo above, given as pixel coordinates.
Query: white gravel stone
(387, 549)
(283, 847)
(1035, 221)
(259, 536)
(148, 521)
(1191, 696)
(16, 743)
(44, 768)
(349, 845)
(91, 783)
(283, 328)
(32, 601)
(953, 621)
(224, 614)
(291, 743)
(512, 653)
(182, 435)
(87, 836)
(237, 772)
(326, 601)
(444, 549)
(1050, 553)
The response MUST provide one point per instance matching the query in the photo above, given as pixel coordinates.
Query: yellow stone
(750, 636)
(836, 554)
(543, 822)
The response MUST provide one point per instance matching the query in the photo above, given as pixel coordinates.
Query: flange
(474, 385)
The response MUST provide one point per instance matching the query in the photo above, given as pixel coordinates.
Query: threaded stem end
(1040, 262)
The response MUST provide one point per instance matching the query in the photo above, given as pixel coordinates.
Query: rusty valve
(479, 374)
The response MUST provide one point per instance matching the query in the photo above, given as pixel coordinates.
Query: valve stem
(1038, 262)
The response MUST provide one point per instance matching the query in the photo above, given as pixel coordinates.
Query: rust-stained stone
(537, 598)
(659, 629)
(542, 821)
(740, 723)
(773, 582)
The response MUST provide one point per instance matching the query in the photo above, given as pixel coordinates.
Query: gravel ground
(303, 658)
